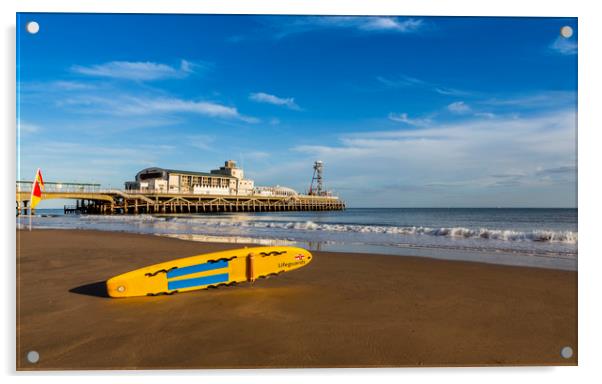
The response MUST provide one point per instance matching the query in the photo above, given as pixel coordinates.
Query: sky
(403, 111)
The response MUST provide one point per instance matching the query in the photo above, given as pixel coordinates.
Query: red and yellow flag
(36, 189)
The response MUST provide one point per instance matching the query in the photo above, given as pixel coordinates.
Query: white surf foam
(567, 237)
(542, 236)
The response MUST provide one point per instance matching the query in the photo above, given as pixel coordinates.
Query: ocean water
(526, 237)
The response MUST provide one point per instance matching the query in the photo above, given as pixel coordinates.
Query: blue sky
(404, 111)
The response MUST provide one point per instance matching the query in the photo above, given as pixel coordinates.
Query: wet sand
(342, 310)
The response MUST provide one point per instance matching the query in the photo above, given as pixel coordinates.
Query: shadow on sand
(98, 289)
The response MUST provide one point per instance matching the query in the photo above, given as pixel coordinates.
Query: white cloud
(403, 118)
(186, 66)
(262, 97)
(204, 142)
(564, 46)
(141, 71)
(548, 99)
(71, 85)
(405, 81)
(451, 91)
(257, 155)
(400, 81)
(458, 107)
(49, 89)
(466, 155)
(28, 127)
(390, 24)
(360, 23)
(109, 161)
(142, 105)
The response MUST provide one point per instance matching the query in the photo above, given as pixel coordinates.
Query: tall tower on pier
(317, 179)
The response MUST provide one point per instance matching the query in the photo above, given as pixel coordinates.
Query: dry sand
(342, 310)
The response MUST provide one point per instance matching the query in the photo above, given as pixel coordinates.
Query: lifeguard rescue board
(208, 270)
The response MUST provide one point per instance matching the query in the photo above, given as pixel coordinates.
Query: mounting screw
(32, 27)
(566, 352)
(33, 357)
(566, 31)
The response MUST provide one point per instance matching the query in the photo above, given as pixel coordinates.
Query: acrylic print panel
(426, 166)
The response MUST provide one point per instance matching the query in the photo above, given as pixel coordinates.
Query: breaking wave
(567, 237)
(122, 218)
(542, 236)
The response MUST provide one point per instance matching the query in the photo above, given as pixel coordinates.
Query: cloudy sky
(404, 111)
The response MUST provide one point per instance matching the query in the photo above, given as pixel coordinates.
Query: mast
(317, 179)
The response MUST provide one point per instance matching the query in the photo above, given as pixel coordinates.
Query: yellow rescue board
(206, 270)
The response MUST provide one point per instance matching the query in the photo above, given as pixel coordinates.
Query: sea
(545, 238)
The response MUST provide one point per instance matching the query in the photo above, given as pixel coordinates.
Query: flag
(36, 189)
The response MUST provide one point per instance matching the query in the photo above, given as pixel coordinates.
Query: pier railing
(53, 186)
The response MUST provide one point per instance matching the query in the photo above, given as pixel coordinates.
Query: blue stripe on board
(196, 268)
(206, 280)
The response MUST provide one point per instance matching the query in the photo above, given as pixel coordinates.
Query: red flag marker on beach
(36, 193)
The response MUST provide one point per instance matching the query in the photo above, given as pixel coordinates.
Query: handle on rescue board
(250, 269)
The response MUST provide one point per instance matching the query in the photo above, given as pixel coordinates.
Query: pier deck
(92, 200)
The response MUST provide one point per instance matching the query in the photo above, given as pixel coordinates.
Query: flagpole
(33, 187)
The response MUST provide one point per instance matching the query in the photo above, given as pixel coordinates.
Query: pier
(92, 199)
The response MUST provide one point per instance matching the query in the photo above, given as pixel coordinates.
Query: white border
(334, 7)
(590, 214)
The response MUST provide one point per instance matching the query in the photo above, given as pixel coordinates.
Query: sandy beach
(342, 310)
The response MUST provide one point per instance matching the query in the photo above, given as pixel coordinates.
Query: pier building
(227, 180)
